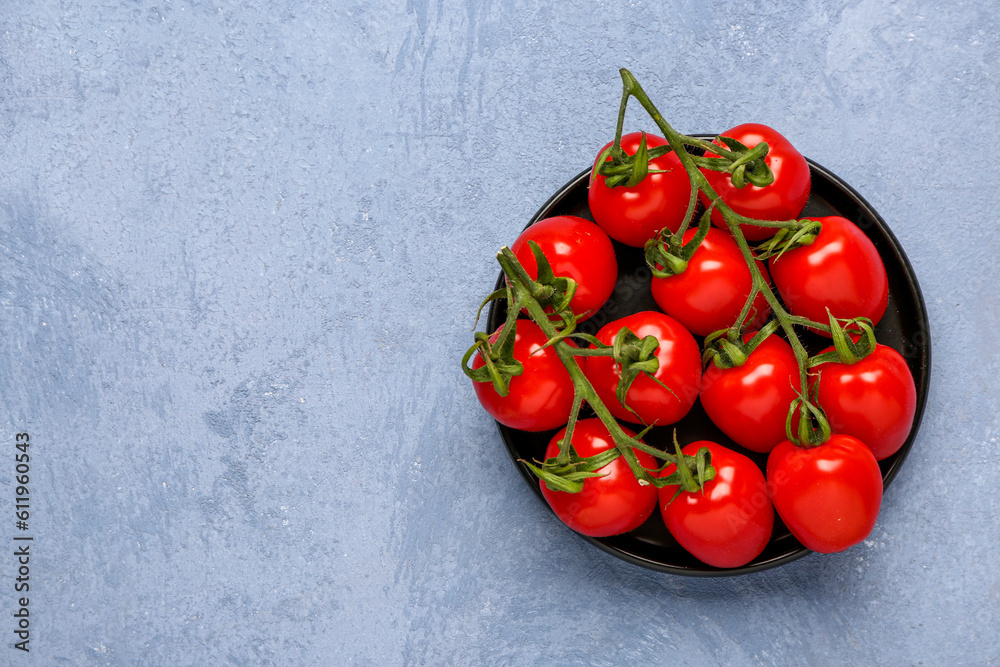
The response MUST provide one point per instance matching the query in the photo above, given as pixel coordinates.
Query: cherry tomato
(710, 293)
(840, 270)
(729, 523)
(783, 199)
(873, 399)
(540, 399)
(749, 403)
(575, 248)
(679, 372)
(609, 505)
(635, 215)
(828, 496)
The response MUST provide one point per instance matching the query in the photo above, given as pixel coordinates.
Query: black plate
(903, 327)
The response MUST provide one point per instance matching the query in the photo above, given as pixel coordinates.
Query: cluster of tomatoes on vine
(824, 420)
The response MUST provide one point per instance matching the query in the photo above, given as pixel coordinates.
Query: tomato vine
(546, 300)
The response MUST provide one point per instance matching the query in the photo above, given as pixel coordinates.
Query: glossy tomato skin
(829, 496)
(840, 270)
(873, 400)
(679, 369)
(783, 199)
(635, 215)
(730, 522)
(541, 397)
(608, 505)
(709, 294)
(749, 403)
(575, 248)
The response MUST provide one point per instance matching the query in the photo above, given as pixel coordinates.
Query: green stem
(567, 440)
(616, 146)
(710, 147)
(688, 216)
(584, 391)
(806, 322)
(592, 352)
(731, 218)
(734, 331)
(677, 142)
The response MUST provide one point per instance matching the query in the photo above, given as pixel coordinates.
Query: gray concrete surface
(242, 246)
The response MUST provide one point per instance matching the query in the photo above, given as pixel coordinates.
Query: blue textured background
(242, 246)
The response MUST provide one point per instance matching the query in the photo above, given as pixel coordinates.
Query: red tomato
(749, 403)
(873, 399)
(840, 270)
(540, 399)
(576, 248)
(608, 505)
(729, 523)
(783, 199)
(828, 496)
(710, 293)
(635, 215)
(679, 370)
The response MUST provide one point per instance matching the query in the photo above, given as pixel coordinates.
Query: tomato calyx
(624, 170)
(550, 290)
(802, 234)
(691, 472)
(567, 471)
(568, 477)
(745, 165)
(847, 350)
(500, 364)
(634, 356)
(748, 167)
(813, 427)
(666, 254)
(725, 348)
(498, 356)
